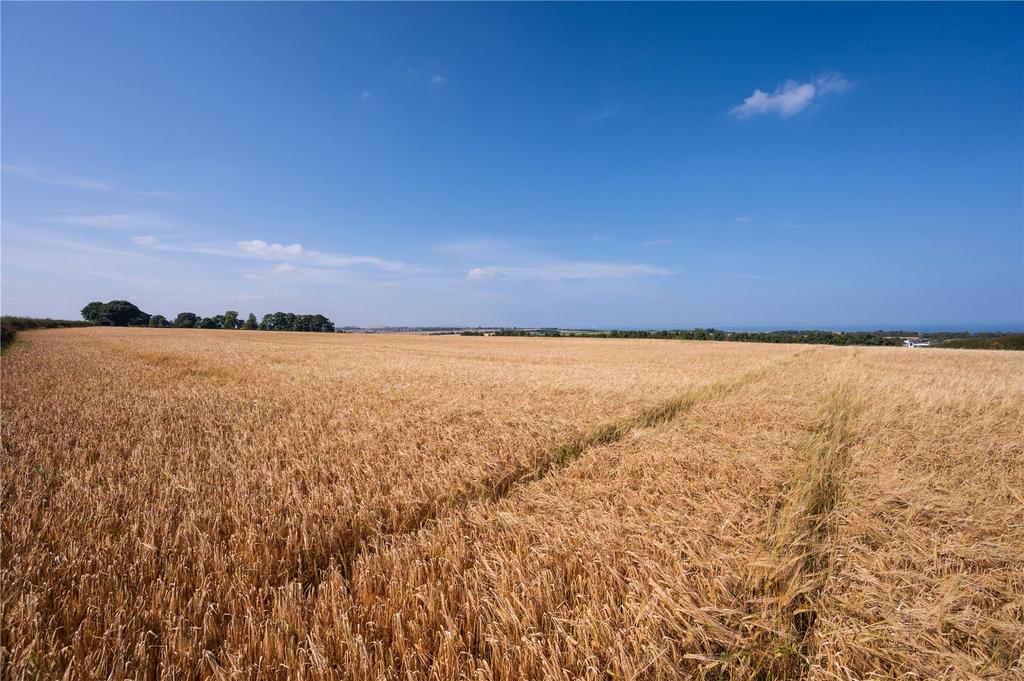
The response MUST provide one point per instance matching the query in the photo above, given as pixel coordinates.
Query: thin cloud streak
(257, 249)
(75, 182)
(19, 232)
(111, 221)
(80, 183)
(566, 270)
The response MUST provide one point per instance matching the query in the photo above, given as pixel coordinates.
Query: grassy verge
(10, 326)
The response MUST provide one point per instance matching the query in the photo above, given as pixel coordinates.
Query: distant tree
(231, 319)
(185, 320)
(218, 321)
(287, 321)
(124, 313)
(321, 323)
(115, 313)
(250, 323)
(158, 320)
(206, 323)
(92, 312)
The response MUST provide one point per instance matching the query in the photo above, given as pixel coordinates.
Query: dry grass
(195, 504)
(927, 579)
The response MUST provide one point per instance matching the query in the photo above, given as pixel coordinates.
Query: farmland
(217, 504)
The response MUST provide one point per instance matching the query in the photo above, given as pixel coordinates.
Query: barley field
(194, 504)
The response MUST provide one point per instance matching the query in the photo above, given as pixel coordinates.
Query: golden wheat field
(196, 504)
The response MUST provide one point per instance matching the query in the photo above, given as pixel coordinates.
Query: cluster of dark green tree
(124, 313)
(190, 320)
(114, 313)
(286, 321)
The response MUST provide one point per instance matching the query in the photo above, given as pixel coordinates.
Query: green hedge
(10, 326)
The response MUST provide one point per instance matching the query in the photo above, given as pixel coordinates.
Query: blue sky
(768, 165)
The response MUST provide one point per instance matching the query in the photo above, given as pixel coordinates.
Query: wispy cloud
(55, 243)
(111, 221)
(760, 277)
(473, 247)
(599, 115)
(438, 79)
(741, 219)
(153, 243)
(743, 275)
(342, 260)
(79, 182)
(660, 242)
(365, 95)
(565, 270)
(157, 195)
(56, 180)
(791, 97)
(261, 249)
(258, 249)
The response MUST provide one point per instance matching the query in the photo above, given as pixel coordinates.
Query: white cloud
(111, 221)
(831, 81)
(482, 273)
(285, 268)
(791, 97)
(341, 260)
(257, 249)
(151, 242)
(261, 249)
(568, 270)
(660, 242)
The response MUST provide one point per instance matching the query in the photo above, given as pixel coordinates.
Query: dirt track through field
(500, 486)
(788, 579)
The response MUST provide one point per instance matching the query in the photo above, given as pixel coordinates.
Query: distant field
(221, 504)
(1014, 341)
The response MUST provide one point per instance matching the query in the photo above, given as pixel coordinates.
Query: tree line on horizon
(814, 337)
(125, 313)
(949, 339)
